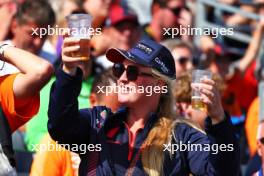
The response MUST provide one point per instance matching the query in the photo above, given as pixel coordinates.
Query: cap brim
(116, 55)
(129, 19)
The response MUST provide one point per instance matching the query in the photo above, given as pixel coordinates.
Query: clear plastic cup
(197, 77)
(80, 28)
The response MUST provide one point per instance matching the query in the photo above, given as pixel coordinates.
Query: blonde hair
(162, 132)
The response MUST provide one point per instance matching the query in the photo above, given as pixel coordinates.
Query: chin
(125, 99)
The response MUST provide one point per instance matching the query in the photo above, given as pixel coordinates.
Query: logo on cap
(144, 48)
(130, 55)
(162, 65)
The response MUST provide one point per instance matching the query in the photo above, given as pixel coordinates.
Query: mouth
(125, 89)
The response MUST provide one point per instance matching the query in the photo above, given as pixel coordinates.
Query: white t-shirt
(47, 52)
(6, 68)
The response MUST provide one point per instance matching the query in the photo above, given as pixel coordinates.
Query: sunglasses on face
(176, 11)
(132, 72)
(183, 60)
(261, 140)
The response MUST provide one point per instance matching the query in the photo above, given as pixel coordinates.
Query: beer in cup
(80, 28)
(197, 76)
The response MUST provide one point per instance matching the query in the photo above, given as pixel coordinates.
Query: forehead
(181, 51)
(128, 62)
(175, 3)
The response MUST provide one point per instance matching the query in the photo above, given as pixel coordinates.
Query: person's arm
(35, 71)
(7, 11)
(220, 134)
(253, 48)
(66, 123)
(216, 153)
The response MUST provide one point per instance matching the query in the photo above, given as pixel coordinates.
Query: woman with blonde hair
(142, 137)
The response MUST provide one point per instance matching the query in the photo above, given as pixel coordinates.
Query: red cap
(119, 13)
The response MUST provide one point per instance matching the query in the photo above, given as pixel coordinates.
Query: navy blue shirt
(100, 126)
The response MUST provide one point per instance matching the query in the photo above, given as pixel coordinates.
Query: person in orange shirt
(19, 92)
(251, 126)
(53, 160)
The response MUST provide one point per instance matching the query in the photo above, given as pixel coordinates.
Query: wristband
(3, 47)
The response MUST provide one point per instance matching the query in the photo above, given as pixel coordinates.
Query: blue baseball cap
(147, 53)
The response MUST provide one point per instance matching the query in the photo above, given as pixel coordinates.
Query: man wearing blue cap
(142, 137)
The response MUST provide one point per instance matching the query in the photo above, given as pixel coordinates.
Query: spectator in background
(251, 126)
(30, 15)
(59, 161)
(167, 14)
(240, 75)
(19, 93)
(122, 31)
(142, 9)
(182, 53)
(251, 132)
(99, 10)
(62, 8)
(237, 19)
(260, 142)
(35, 130)
(99, 98)
(182, 93)
(8, 9)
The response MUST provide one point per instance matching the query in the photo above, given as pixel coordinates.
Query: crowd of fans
(27, 70)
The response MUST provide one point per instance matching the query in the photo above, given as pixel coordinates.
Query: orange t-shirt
(17, 112)
(251, 126)
(53, 160)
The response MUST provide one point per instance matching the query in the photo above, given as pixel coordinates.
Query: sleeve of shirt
(18, 112)
(66, 123)
(213, 153)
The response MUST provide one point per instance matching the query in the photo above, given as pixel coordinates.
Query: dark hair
(37, 11)
(106, 78)
(162, 3)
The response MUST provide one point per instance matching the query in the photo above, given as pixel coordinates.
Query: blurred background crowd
(235, 61)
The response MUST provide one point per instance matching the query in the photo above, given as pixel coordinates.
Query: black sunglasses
(261, 140)
(132, 72)
(183, 60)
(176, 11)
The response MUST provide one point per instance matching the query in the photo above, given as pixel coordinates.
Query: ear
(259, 149)
(14, 25)
(93, 100)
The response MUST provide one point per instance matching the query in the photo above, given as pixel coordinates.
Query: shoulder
(185, 130)
(7, 80)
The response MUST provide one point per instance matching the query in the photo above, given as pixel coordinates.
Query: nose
(123, 77)
(189, 65)
(37, 42)
(127, 32)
